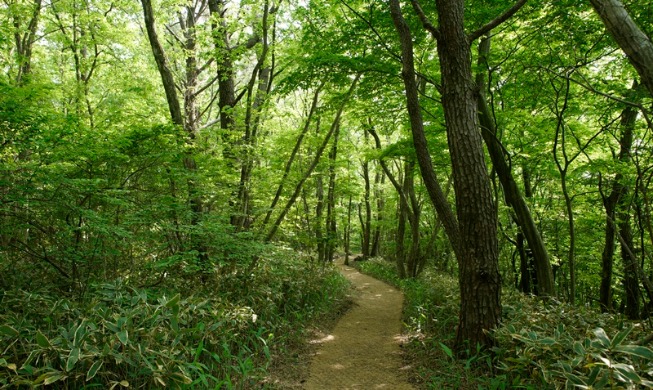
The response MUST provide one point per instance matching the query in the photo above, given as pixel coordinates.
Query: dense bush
(124, 336)
(540, 344)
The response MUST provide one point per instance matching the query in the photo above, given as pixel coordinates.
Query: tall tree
(476, 224)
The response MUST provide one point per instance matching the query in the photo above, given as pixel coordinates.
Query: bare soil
(363, 349)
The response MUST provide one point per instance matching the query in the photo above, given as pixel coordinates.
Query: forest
(177, 178)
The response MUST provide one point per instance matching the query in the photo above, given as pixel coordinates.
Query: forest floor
(363, 350)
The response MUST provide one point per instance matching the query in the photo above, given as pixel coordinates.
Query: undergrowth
(540, 344)
(218, 336)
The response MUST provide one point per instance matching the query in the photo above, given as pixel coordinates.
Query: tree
(475, 225)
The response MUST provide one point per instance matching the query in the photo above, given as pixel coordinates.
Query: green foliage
(539, 344)
(150, 338)
(564, 346)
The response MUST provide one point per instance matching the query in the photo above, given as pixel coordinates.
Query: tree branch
(496, 21)
(428, 26)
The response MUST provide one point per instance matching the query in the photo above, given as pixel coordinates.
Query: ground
(363, 349)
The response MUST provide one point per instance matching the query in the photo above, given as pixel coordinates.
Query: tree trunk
(611, 203)
(379, 180)
(366, 220)
(319, 208)
(293, 155)
(24, 43)
(316, 160)
(331, 234)
(476, 225)
(632, 40)
(347, 233)
(513, 196)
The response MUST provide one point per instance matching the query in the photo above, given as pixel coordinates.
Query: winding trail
(362, 351)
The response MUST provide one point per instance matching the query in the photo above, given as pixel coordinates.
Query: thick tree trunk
(479, 278)
(476, 225)
(513, 196)
(632, 40)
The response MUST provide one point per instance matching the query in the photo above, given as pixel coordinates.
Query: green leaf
(93, 370)
(620, 337)
(80, 332)
(602, 337)
(123, 336)
(578, 348)
(636, 350)
(54, 378)
(42, 341)
(446, 350)
(174, 301)
(72, 359)
(628, 371)
(575, 379)
(9, 331)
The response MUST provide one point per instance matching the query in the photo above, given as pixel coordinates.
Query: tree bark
(632, 40)
(476, 225)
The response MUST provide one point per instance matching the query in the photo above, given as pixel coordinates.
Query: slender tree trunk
(513, 196)
(316, 160)
(366, 220)
(331, 234)
(614, 201)
(24, 42)
(178, 119)
(293, 154)
(347, 233)
(378, 194)
(319, 207)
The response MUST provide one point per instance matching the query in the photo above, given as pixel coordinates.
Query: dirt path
(362, 351)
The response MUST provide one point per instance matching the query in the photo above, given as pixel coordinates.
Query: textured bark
(476, 225)
(431, 182)
(632, 40)
(513, 196)
(478, 259)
